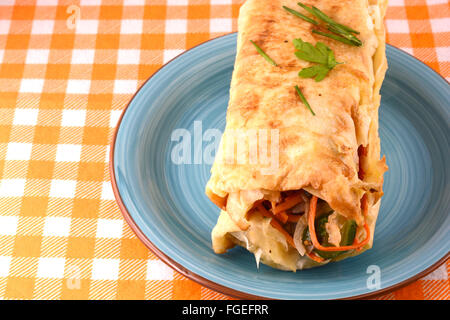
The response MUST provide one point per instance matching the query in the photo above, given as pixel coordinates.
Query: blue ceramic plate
(165, 204)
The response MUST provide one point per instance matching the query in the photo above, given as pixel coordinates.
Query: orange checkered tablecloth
(68, 69)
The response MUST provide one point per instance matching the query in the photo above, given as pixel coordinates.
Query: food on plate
(298, 174)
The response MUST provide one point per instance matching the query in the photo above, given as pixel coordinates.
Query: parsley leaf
(319, 72)
(320, 54)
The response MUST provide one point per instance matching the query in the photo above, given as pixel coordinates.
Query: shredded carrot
(293, 217)
(315, 257)
(282, 217)
(264, 211)
(274, 223)
(312, 230)
(288, 203)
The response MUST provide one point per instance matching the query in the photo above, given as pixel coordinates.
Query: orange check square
(131, 290)
(11, 71)
(94, 135)
(86, 208)
(57, 71)
(100, 101)
(46, 135)
(199, 11)
(40, 169)
(110, 12)
(34, 206)
(27, 246)
(133, 249)
(104, 71)
(19, 288)
(107, 41)
(62, 41)
(186, 290)
(51, 100)
(152, 41)
(91, 171)
(154, 12)
(81, 248)
(422, 40)
(23, 13)
(4, 133)
(417, 12)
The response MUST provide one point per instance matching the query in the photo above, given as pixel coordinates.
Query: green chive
(265, 56)
(319, 14)
(307, 8)
(337, 38)
(298, 14)
(322, 16)
(302, 97)
(345, 34)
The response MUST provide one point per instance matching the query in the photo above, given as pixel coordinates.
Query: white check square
(443, 54)
(432, 2)
(397, 26)
(12, 187)
(90, 2)
(114, 118)
(220, 25)
(216, 2)
(86, 26)
(73, 118)
(51, 268)
(125, 86)
(131, 26)
(105, 269)
(57, 226)
(396, 3)
(177, 2)
(83, 56)
(68, 152)
(158, 270)
(438, 274)
(4, 26)
(63, 188)
(18, 151)
(107, 191)
(5, 261)
(37, 56)
(32, 85)
(42, 26)
(47, 2)
(440, 25)
(7, 2)
(134, 2)
(174, 26)
(8, 225)
(78, 86)
(26, 117)
(109, 228)
(170, 54)
(128, 56)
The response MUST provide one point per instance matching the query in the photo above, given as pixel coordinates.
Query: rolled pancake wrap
(324, 154)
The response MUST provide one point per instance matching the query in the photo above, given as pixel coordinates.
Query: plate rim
(204, 281)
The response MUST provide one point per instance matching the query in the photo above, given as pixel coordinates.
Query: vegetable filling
(298, 207)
